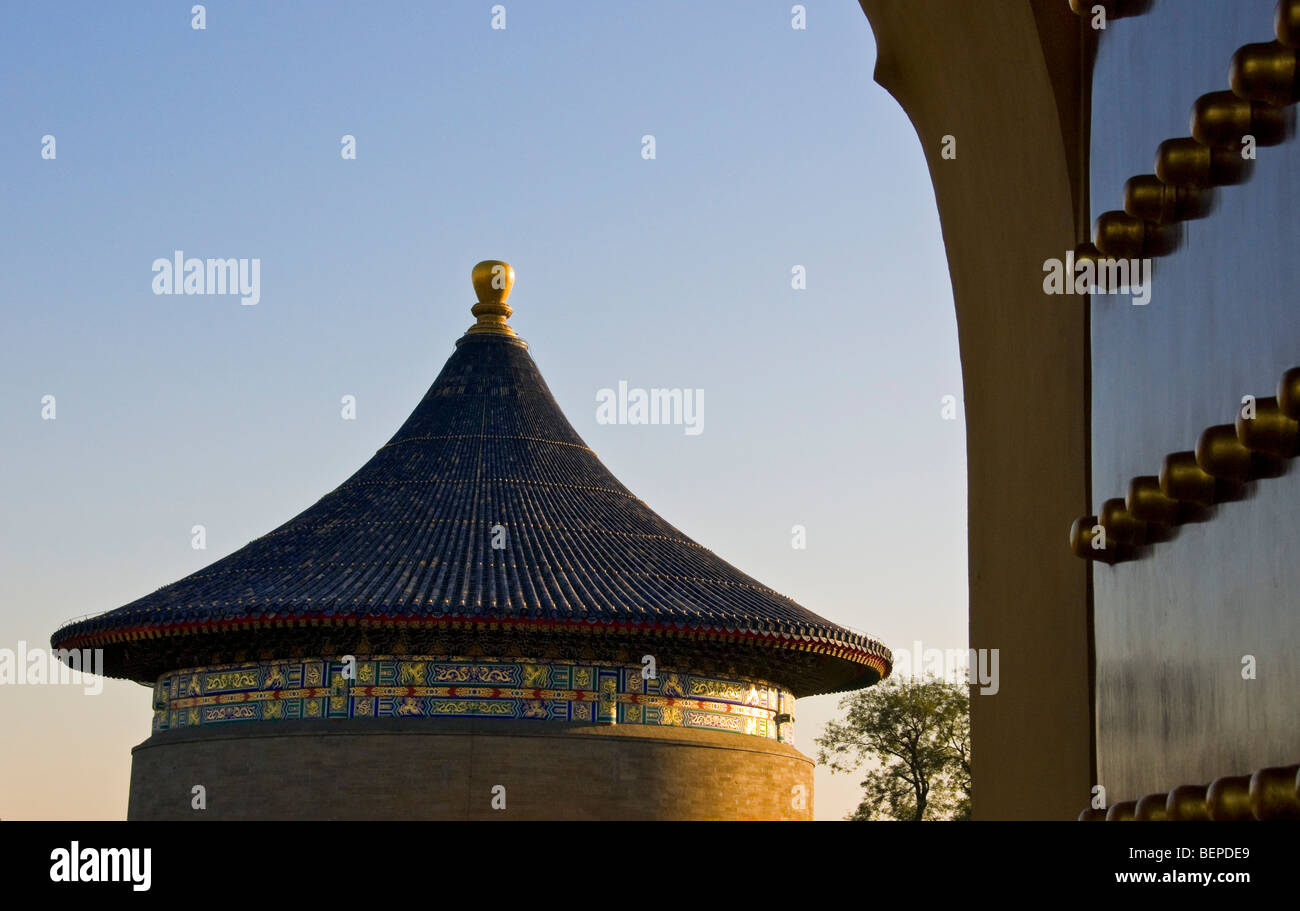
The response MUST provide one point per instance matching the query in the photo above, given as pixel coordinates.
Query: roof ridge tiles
(409, 539)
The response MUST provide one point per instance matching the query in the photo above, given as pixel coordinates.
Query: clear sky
(774, 149)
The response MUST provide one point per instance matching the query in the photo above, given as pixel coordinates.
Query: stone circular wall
(421, 768)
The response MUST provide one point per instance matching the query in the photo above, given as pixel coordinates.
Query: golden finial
(493, 280)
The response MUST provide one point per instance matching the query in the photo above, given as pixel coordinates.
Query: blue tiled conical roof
(402, 553)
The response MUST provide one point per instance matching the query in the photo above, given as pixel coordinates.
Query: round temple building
(480, 623)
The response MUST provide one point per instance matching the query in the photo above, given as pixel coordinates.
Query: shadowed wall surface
(1003, 80)
(1173, 627)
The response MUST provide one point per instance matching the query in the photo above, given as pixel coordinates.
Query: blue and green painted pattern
(450, 687)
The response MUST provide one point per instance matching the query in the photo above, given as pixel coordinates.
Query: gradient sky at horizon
(774, 148)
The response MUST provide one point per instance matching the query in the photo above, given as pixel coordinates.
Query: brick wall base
(436, 769)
